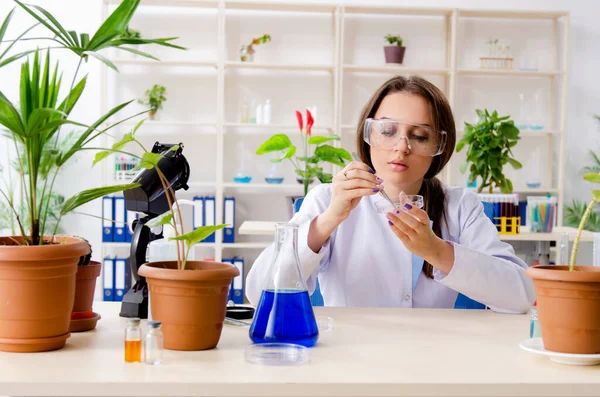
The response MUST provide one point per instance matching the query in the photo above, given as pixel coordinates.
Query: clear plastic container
(383, 206)
(277, 354)
(153, 343)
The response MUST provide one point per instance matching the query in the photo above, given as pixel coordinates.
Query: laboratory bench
(368, 352)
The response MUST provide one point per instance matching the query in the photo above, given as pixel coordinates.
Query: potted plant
(567, 296)
(490, 143)
(394, 53)
(38, 267)
(154, 98)
(247, 51)
(188, 297)
(309, 165)
(82, 317)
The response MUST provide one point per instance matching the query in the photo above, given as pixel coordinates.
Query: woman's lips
(398, 166)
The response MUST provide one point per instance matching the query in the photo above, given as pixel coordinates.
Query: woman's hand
(349, 186)
(411, 225)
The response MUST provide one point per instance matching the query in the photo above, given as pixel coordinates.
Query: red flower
(300, 123)
(309, 122)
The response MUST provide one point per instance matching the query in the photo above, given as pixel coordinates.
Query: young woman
(405, 137)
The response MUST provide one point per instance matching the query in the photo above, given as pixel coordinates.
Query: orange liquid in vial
(133, 351)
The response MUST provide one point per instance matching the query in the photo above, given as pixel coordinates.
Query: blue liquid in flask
(285, 316)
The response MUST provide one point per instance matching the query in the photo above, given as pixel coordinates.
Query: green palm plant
(34, 124)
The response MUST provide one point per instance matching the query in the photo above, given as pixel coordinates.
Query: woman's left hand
(411, 225)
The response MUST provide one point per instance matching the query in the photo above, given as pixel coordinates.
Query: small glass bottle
(133, 341)
(153, 343)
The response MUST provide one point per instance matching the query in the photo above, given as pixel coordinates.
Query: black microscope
(151, 199)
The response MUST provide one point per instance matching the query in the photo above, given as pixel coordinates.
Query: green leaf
(332, 155)
(317, 140)
(592, 177)
(460, 146)
(163, 219)
(509, 131)
(275, 143)
(103, 59)
(92, 194)
(463, 167)
(73, 96)
(515, 164)
(101, 156)
(15, 57)
(149, 160)
(199, 234)
(480, 113)
(5, 24)
(9, 117)
(138, 52)
(290, 152)
(114, 25)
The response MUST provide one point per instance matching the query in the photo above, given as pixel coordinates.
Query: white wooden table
(369, 352)
(266, 228)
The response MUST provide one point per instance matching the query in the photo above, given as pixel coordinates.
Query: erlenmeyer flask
(284, 313)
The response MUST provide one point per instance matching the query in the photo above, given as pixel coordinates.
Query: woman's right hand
(349, 186)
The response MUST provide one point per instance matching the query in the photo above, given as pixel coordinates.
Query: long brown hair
(441, 118)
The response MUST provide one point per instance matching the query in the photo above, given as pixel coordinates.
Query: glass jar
(246, 54)
(133, 341)
(153, 342)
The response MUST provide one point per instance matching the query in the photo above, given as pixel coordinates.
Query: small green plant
(247, 51)
(309, 165)
(131, 34)
(490, 144)
(574, 213)
(394, 40)
(154, 98)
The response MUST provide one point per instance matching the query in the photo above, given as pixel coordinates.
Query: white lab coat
(364, 264)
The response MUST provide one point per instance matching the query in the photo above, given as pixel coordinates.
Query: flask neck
(286, 271)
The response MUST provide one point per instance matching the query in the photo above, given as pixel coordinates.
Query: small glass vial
(133, 341)
(153, 343)
(534, 325)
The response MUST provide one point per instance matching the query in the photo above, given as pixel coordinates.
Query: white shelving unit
(345, 66)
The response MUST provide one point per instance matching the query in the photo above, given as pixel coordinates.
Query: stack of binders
(236, 291)
(205, 215)
(116, 278)
(116, 220)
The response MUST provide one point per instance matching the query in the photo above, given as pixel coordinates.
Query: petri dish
(276, 354)
(383, 206)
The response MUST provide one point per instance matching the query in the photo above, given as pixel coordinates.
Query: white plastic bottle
(267, 112)
(259, 113)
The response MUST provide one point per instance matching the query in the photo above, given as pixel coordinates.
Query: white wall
(583, 85)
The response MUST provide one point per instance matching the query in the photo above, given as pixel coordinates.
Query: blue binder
(120, 219)
(209, 216)
(107, 217)
(120, 283)
(108, 279)
(237, 289)
(198, 220)
(230, 293)
(229, 219)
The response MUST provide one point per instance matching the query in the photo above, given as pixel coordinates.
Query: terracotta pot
(568, 307)
(191, 303)
(37, 291)
(394, 54)
(86, 286)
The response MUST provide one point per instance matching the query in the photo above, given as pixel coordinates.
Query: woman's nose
(403, 145)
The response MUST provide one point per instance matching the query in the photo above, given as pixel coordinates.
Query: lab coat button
(407, 298)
